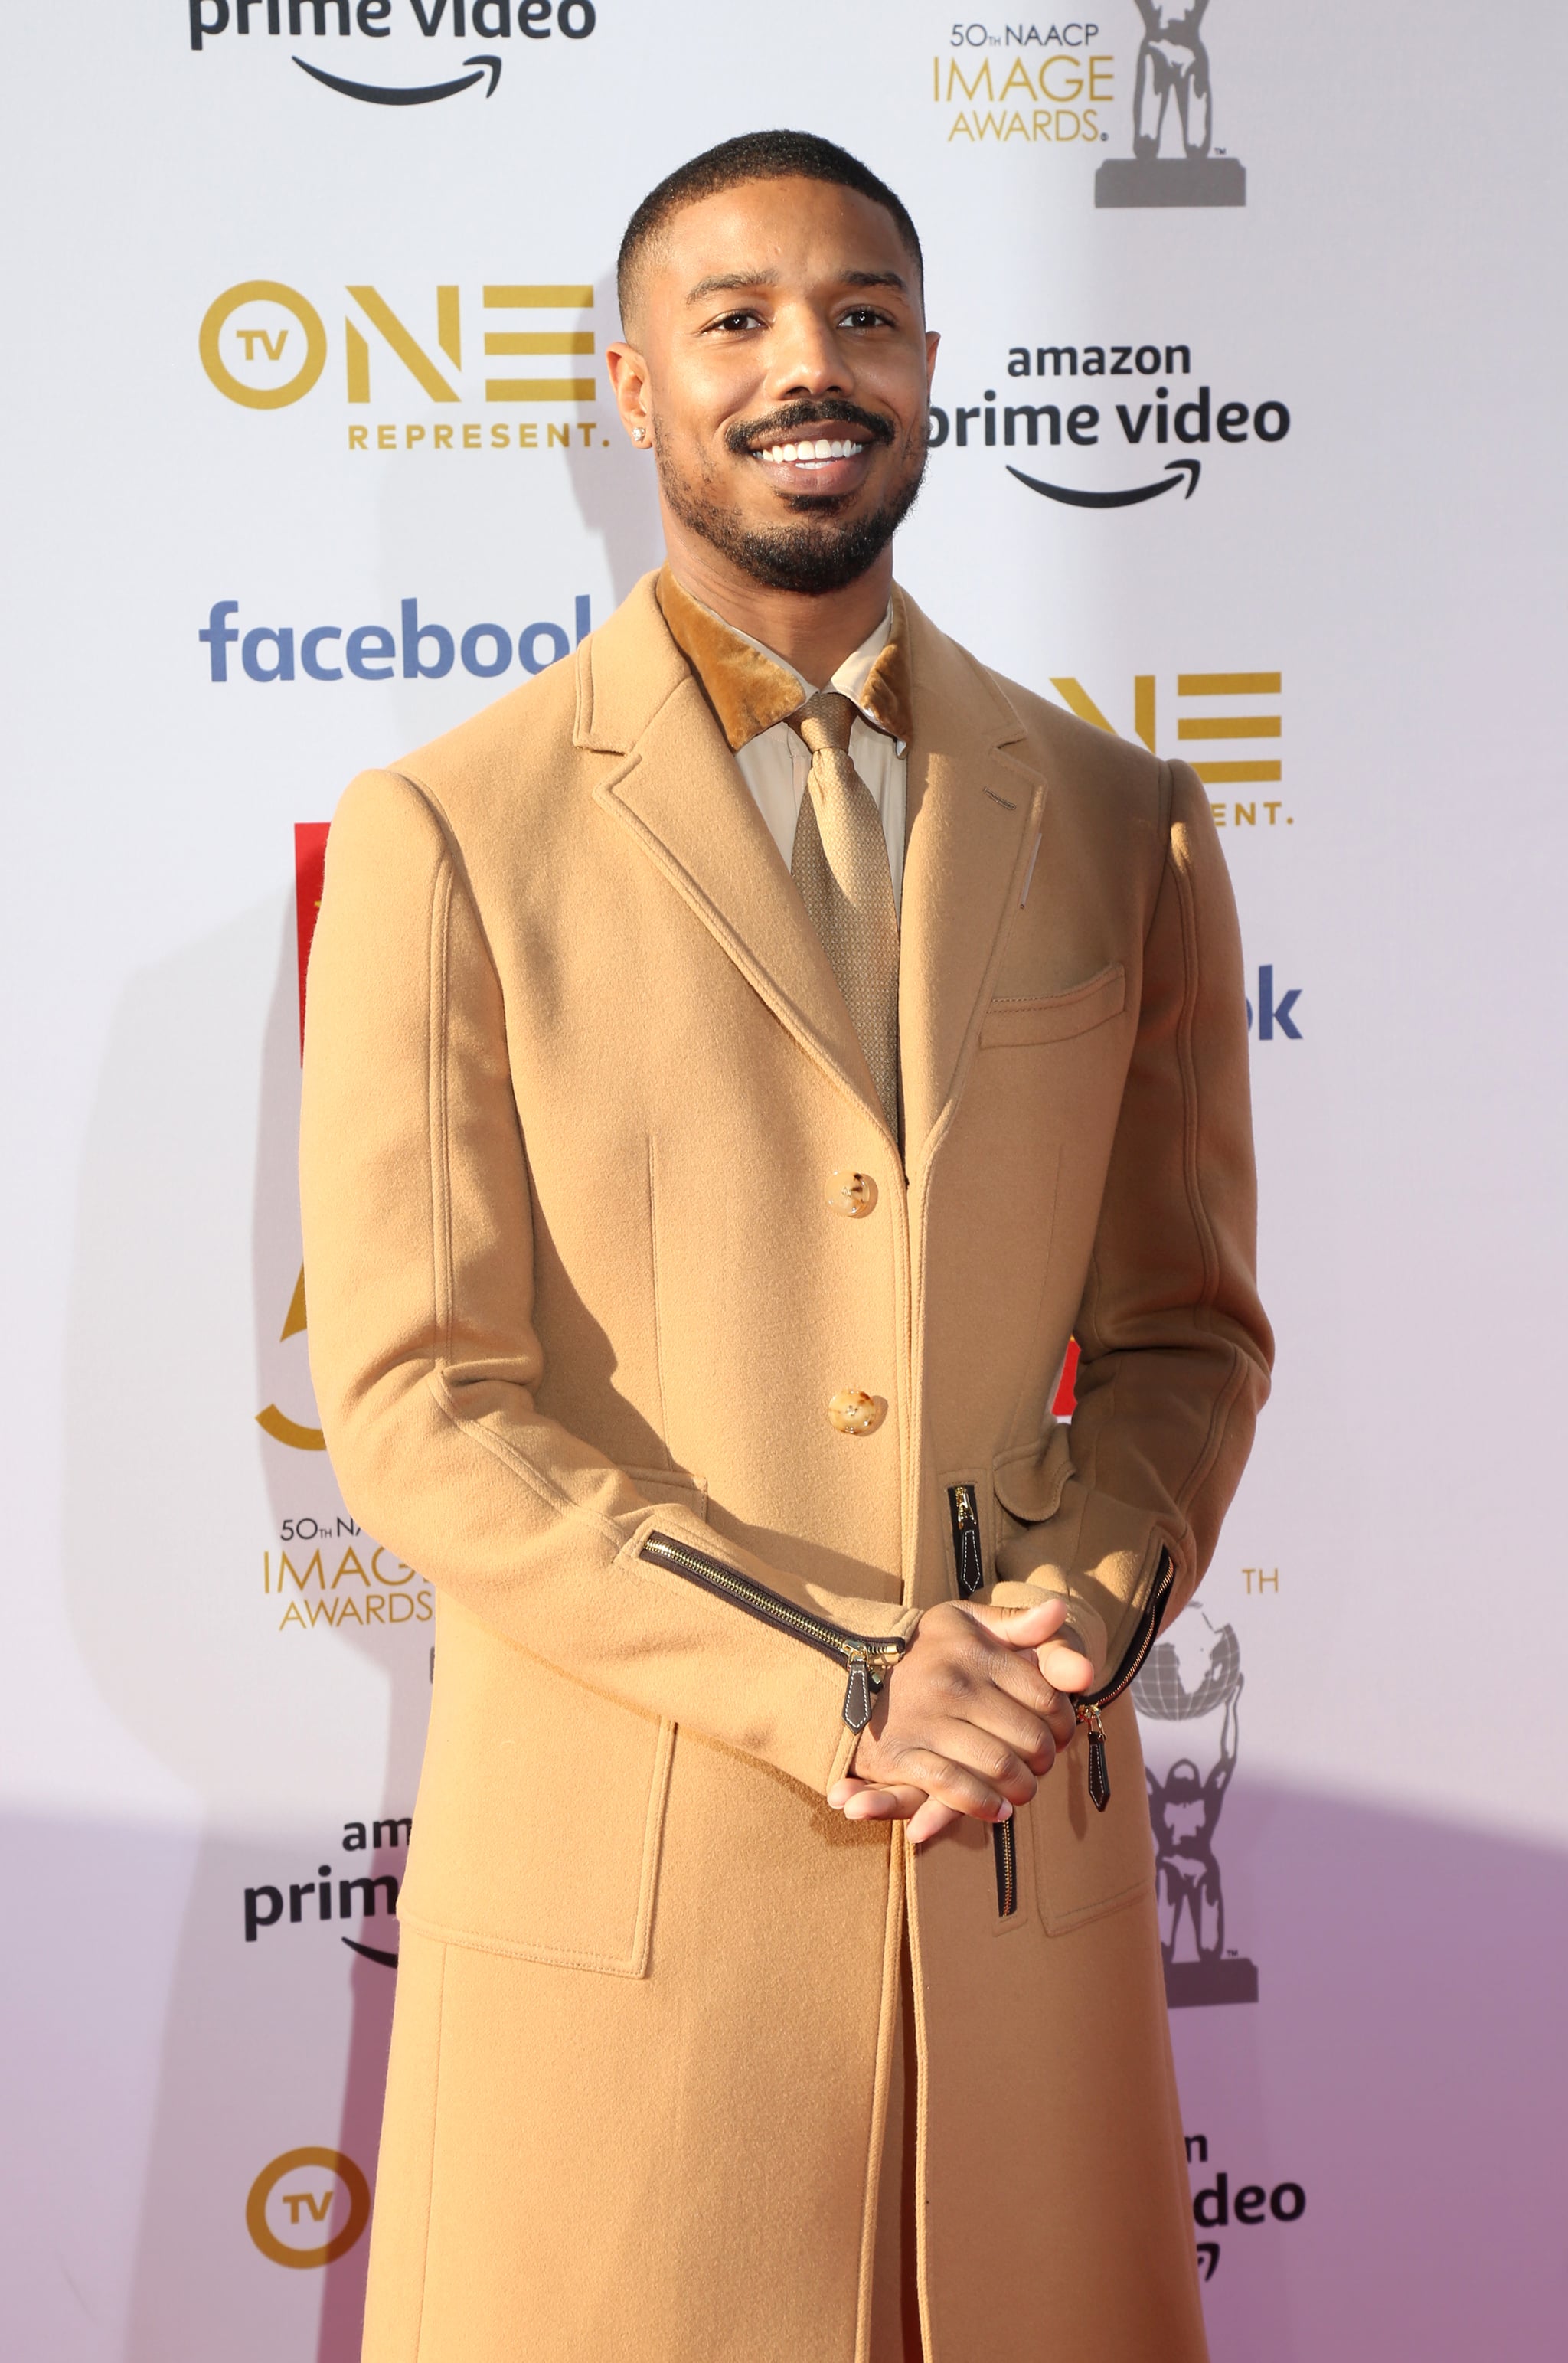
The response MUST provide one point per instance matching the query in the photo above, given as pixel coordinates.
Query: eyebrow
(733, 282)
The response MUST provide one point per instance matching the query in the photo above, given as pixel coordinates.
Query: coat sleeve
(418, 1249)
(1174, 1350)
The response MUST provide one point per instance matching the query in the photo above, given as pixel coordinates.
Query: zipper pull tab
(1098, 1770)
(857, 1693)
(964, 1508)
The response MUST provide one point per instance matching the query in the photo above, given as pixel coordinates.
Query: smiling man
(737, 1063)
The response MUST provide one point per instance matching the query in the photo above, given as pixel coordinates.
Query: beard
(824, 549)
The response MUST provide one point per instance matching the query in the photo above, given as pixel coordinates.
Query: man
(735, 1064)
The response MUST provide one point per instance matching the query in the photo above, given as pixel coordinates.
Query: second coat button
(854, 1413)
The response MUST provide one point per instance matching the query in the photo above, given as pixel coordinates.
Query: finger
(1066, 1669)
(885, 1803)
(976, 1749)
(1020, 1629)
(951, 1783)
(1019, 1678)
(1014, 1686)
(932, 1818)
(1002, 1724)
(1062, 1721)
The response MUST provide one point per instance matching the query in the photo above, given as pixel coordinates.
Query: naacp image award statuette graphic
(1186, 1697)
(1173, 66)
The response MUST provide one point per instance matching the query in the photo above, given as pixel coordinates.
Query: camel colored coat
(578, 1086)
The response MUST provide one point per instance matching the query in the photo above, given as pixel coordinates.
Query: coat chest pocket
(1017, 1024)
(540, 1813)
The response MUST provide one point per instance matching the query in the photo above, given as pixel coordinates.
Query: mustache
(780, 425)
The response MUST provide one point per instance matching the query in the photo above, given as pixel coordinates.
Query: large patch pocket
(1087, 1863)
(540, 1813)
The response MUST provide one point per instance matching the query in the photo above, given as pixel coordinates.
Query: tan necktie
(840, 864)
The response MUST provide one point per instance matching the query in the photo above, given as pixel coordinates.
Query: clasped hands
(969, 1720)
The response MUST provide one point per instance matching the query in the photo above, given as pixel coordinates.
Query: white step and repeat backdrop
(1249, 445)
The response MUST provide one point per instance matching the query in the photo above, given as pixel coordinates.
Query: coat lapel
(974, 820)
(679, 793)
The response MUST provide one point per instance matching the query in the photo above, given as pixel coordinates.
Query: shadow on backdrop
(614, 484)
(187, 1262)
(1399, 2071)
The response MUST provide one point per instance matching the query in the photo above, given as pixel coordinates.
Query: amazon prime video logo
(415, 22)
(1082, 413)
(366, 1891)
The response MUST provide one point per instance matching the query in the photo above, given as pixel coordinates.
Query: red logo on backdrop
(310, 869)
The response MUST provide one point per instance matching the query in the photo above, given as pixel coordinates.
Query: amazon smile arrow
(1174, 470)
(377, 95)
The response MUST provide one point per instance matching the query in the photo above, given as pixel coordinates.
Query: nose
(807, 360)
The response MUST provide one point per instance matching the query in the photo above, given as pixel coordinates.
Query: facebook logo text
(418, 649)
(1274, 1015)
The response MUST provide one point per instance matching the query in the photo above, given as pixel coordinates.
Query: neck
(812, 632)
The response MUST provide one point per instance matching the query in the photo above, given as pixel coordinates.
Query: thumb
(1022, 1628)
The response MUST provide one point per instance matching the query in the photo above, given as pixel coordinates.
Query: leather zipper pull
(964, 1508)
(857, 1693)
(1098, 1770)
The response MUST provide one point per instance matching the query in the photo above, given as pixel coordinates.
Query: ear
(629, 380)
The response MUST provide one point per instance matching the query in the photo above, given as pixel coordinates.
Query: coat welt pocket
(1012, 1025)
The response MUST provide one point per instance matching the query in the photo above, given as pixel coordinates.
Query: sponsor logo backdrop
(1246, 448)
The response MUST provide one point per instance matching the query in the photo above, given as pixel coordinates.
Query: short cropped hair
(755, 156)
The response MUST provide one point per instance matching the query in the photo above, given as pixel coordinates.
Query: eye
(865, 316)
(734, 321)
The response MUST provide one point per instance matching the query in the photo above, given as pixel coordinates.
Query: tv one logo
(265, 346)
(307, 2207)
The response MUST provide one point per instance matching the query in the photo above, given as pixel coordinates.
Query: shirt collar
(750, 687)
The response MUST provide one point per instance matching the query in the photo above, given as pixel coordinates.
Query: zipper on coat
(1004, 1847)
(1088, 1709)
(964, 1509)
(865, 1656)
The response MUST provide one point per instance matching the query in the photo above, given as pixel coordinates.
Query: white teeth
(781, 455)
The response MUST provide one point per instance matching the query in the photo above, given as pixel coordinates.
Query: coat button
(855, 1414)
(849, 1192)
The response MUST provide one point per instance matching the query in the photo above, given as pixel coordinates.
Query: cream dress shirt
(774, 764)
